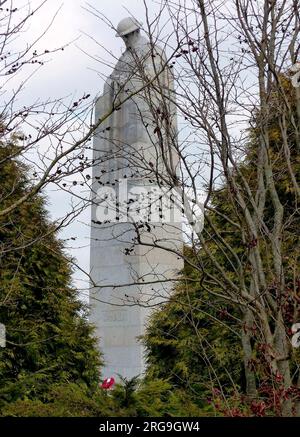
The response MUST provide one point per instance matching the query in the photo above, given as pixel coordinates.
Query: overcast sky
(71, 72)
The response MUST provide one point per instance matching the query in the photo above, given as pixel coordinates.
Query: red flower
(108, 383)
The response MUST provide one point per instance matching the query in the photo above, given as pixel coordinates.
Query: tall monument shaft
(135, 233)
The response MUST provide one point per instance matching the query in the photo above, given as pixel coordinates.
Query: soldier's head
(128, 29)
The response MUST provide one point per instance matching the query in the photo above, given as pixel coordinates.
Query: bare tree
(231, 63)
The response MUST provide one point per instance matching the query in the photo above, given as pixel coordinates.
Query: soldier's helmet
(128, 25)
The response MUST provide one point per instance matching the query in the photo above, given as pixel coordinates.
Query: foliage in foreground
(129, 398)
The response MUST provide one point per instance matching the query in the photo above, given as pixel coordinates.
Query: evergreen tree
(194, 344)
(48, 339)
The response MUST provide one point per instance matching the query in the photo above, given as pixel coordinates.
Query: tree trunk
(282, 354)
(247, 352)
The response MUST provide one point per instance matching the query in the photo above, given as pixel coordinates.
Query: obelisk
(134, 241)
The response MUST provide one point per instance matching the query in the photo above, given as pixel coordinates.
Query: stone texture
(122, 146)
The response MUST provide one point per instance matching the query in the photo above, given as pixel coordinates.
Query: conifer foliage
(48, 339)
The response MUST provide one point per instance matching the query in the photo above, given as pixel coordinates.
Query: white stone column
(118, 310)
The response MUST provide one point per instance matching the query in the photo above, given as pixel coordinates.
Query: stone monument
(135, 239)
